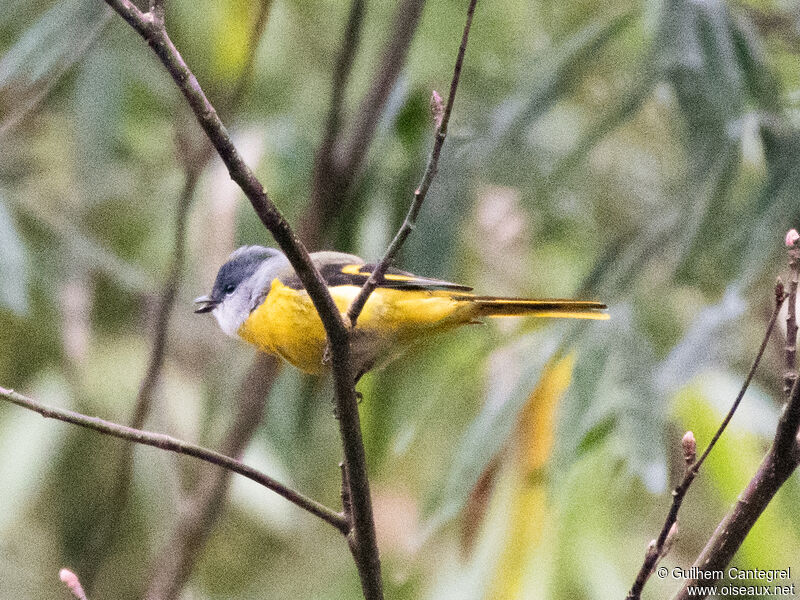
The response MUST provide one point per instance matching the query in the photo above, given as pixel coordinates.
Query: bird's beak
(205, 304)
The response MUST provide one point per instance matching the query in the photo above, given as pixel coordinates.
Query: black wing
(350, 273)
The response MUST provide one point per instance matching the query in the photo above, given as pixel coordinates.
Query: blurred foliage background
(644, 154)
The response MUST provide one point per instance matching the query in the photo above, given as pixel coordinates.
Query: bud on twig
(437, 108)
(689, 445)
(673, 532)
(652, 551)
(790, 351)
(72, 582)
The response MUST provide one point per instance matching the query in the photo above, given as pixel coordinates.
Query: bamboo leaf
(30, 68)
(556, 75)
(513, 374)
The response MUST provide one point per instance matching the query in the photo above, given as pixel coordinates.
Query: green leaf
(613, 396)
(712, 58)
(714, 63)
(760, 231)
(514, 372)
(31, 67)
(558, 72)
(623, 110)
(702, 344)
(759, 78)
(27, 445)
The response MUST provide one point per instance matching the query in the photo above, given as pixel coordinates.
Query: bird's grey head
(241, 284)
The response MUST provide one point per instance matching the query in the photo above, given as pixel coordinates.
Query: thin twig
(421, 192)
(779, 299)
(790, 352)
(166, 442)
(658, 547)
(779, 463)
(372, 560)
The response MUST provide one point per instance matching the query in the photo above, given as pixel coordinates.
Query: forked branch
(779, 463)
(659, 547)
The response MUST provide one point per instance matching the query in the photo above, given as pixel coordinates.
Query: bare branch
(166, 442)
(341, 155)
(779, 463)
(659, 547)
(422, 191)
(364, 544)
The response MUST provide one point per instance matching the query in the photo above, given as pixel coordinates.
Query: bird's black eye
(228, 289)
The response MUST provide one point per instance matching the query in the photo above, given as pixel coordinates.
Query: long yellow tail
(489, 306)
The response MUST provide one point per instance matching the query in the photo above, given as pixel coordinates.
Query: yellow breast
(287, 324)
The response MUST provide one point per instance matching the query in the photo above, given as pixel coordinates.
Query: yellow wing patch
(359, 270)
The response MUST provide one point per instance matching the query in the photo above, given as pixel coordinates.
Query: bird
(258, 297)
